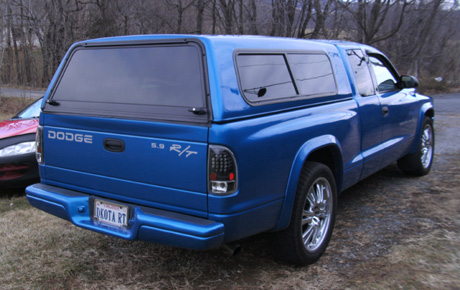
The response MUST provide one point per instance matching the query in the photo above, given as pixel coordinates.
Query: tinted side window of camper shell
(265, 77)
(313, 74)
(271, 78)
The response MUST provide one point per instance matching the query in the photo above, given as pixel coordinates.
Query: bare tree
(227, 7)
(419, 34)
(180, 6)
(304, 17)
(200, 6)
(252, 16)
(371, 19)
(321, 16)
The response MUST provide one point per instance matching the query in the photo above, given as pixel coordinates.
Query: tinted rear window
(157, 82)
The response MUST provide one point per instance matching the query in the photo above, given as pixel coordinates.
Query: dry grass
(10, 106)
(44, 252)
(431, 262)
(392, 232)
(428, 256)
(40, 251)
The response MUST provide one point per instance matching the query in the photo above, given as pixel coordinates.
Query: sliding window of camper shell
(267, 77)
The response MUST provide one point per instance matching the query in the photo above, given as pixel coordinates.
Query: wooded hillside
(420, 36)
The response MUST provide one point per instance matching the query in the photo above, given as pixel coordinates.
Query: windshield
(32, 111)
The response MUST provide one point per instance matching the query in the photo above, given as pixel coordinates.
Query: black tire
(312, 220)
(419, 164)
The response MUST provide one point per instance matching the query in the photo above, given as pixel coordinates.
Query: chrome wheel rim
(426, 146)
(316, 216)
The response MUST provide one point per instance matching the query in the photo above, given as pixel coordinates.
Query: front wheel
(313, 217)
(419, 164)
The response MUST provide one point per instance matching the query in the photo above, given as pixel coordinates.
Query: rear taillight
(39, 145)
(222, 170)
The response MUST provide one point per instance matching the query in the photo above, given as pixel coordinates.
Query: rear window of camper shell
(158, 81)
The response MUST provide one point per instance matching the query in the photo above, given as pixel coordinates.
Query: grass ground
(392, 232)
(40, 251)
(10, 106)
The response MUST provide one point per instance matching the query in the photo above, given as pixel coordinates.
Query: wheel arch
(323, 149)
(426, 110)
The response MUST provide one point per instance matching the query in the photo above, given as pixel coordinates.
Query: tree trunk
(253, 18)
(228, 11)
(14, 34)
(25, 48)
(199, 16)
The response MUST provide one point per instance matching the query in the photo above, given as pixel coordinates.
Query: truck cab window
(361, 71)
(386, 81)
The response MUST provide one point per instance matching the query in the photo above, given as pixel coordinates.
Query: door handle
(114, 145)
(385, 110)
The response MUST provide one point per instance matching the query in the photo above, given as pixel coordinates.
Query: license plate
(110, 213)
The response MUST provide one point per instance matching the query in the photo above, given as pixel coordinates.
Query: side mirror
(409, 82)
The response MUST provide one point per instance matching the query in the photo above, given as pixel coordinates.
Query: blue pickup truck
(199, 141)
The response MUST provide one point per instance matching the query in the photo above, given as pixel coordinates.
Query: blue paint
(162, 172)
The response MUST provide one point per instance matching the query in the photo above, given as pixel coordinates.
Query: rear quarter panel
(266, 147)
(270, 141)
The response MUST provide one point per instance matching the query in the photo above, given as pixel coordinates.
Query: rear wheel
(419, 164)
(313, 217)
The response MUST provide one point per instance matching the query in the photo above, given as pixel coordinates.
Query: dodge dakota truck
(199, 141)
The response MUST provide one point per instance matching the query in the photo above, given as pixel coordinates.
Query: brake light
(222, 170)
(39, 145)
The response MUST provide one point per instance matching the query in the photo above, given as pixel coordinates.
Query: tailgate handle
(114, 145)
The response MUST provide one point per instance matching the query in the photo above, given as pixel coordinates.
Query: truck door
(399, 117)
(370, 111)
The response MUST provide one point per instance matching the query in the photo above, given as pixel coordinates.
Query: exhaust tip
(232, 249)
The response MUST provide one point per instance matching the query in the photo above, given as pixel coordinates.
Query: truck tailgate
(143, 162)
